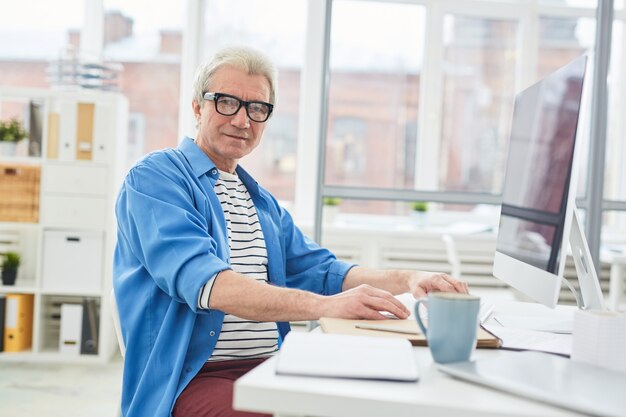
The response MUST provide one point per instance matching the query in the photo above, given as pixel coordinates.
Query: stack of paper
(343, 356)
(600, 339)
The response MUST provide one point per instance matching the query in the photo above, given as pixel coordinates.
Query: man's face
(226, 139)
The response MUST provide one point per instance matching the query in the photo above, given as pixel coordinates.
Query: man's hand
(421, 283)
(363, 302)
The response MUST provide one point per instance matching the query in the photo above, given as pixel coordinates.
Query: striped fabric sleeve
(205, 293)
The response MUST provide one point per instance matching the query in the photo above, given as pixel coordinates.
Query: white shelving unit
(67, 253)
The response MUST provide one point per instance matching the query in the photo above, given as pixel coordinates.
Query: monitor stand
(561, 319)
(590, 291)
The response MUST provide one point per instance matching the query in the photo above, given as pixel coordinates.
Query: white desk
(435, 395)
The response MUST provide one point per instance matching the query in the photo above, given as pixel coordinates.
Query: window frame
(313, 100)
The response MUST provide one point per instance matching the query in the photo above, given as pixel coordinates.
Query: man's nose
(240, 119)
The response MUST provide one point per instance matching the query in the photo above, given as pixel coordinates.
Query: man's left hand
(421, 283)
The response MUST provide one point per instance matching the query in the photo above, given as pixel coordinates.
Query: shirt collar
(199, 161)
(201, 164)
(248, 181)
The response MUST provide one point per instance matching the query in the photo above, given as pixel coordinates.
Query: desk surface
(435, 394)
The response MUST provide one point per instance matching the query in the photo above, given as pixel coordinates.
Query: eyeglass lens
(259, 112)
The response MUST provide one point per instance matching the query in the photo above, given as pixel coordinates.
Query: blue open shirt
(171, 240)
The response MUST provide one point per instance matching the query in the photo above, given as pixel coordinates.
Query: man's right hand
(363, 302)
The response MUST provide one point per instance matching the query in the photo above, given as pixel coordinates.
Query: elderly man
(209, 269)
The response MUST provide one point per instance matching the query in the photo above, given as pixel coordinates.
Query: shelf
(76, 163)
(20, 160)
(24, 355)
(24, 225)
(71, 293)
(28, 288)
(81, 138)
(50, 356)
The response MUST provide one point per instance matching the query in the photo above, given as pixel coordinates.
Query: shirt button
(214, 171)
(188, 370)
(211, 333)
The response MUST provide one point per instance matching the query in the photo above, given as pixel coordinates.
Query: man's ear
(196, 110)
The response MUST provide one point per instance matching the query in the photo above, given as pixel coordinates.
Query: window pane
(561, 39)
(29, 40)
(614, 229)
(146, 38)
(615, 169)
(478, 88)
(261, 24)
(376, 52)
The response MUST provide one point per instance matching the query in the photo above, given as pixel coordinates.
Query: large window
(561, 39)
(420, 92)
(146, 38)
(615, 170)
(479, 71)
(33, 35)
(615, 179)
(376, 56)
(277, 28)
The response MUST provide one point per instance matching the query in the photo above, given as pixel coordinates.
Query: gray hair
(242, 57)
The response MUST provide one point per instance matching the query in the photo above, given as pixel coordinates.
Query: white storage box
(77, 180)
(81, 212)
(72, 261)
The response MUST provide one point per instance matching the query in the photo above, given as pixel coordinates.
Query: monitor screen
(539, 168)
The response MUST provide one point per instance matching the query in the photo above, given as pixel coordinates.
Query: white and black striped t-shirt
(240, 338)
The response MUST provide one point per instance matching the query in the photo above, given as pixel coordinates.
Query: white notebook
(345, 356)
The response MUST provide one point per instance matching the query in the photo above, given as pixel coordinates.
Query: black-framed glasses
(227, 105)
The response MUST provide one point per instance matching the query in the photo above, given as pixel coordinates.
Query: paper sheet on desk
(555, 322)
(600, 339)
(520, 339)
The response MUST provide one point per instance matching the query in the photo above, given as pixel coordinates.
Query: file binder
(71, 325)
(84, 131)
(18, 329)
(89, 333)
(2, 309)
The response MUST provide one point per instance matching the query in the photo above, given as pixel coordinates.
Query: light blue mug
(452, 325)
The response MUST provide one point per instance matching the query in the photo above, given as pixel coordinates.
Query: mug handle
(417, 314)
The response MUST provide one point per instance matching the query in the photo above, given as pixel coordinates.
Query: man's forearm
(365, 293)
(394, 281)
(239, 295)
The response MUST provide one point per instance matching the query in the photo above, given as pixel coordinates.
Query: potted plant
(331, 208)
(11, 132)
(420, 210)
(9, 267)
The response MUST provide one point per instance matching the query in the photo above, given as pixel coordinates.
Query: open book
(393, 328)
(344, 356)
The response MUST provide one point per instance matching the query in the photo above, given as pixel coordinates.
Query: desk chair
(116, 323)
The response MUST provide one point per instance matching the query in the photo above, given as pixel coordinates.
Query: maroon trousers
(210, 392)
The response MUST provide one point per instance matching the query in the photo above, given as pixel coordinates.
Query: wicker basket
(19, 193)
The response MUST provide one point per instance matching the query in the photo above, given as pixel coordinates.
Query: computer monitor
(538, 219)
